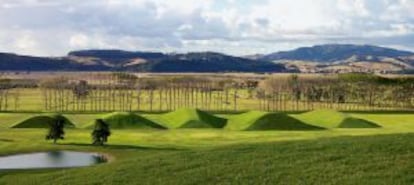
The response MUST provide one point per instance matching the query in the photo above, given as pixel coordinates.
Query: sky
(236, 27)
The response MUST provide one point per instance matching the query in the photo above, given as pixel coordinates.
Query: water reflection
(55, 159)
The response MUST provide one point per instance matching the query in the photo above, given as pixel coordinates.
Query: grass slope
(334, 119)
(351, 122)
(382, 159)
(192, 118)
(257, 120)
(125, 120)
(7, 120)
(42, 121)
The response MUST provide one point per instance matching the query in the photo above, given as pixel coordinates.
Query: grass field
(382, 155)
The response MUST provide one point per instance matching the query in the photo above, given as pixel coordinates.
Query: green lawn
(217, 156)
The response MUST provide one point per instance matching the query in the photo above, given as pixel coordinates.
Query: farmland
(201, 136)
(186, 156)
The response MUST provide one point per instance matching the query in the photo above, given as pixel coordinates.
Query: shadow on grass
(6, 140)
(120, 147)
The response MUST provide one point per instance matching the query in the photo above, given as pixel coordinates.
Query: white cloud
(49, 27)
(25, 42)
(79, 41)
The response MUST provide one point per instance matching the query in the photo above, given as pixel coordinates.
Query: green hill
(256, 120)
(191, 118)
(42, 121)
(351, 122)
(334, 119)
(125, 120)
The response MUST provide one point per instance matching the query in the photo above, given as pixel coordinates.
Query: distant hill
(116, 54)
(209, 62)
(115, 57)
(118, 60)
(330, 58)
(344, 58)
(336, 52)
(15, 62)
(254, 57)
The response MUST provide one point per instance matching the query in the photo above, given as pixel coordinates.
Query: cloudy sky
(238, 27)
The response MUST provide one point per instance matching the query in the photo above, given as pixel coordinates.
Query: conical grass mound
(256, 120)
(192, 118)
(351, 122)
(126, 120)
(334, 119)
(43, 121)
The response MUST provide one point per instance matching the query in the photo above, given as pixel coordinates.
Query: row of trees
(346, 92)
(129, 92)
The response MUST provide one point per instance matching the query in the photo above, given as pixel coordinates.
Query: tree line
(105, 92)
(344, 92)
(125, 92)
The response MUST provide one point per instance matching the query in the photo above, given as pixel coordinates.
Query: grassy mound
(351, 122)
(125, 120)
(322, 118)
(256, 120)
(192, 118)
(333, 119)
(42, 121)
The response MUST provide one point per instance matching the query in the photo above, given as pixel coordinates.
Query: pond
(54, 159)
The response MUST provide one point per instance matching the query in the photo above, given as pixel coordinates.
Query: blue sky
(238, 27)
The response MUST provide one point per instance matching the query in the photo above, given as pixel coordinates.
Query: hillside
(118, 60)
(343, 58)
(330, 58)
(115, 55)
(210, 62)
(15, 62)
(337, 52)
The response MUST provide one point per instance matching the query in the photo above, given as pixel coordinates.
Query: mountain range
(344, 58)
(330, 58)
(117, 60)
